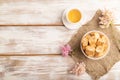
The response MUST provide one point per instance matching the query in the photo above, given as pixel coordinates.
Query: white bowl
(96, 58)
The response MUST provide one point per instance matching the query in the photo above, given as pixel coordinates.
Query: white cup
(79, 12)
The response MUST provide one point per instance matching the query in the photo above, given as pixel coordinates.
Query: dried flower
(66, 49)
(78, 69)
(106, 19)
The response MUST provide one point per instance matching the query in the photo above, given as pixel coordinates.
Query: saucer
(72, 25)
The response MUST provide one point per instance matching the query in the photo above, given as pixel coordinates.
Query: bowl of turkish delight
(95, 45)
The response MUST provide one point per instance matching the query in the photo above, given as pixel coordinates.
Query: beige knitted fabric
(95, 68)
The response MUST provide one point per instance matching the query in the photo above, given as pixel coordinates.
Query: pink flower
(78, 69)
(66, 49)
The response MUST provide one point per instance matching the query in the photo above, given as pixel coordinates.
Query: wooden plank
(37, 68)
(2, 67)
(45, 68)
(45, 12)
(33, 40)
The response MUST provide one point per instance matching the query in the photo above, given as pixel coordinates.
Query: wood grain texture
(39, 43)
(47, 12)
(2, 67)
(37, 68)
(45, 68)
(33, 40)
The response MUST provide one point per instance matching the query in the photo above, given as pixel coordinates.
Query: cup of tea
(73, 15)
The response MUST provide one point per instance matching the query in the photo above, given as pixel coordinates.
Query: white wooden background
(31, 33)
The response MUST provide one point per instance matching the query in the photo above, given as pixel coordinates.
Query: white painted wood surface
(43, 40)
(33, 40)
(45, 68)
(52, 67)
(36, 40)
(47, 12)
